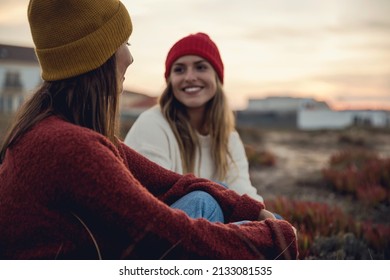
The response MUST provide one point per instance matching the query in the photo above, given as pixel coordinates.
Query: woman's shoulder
(57, 143)
(54, 131)
(153, 112)
(234, 136)
(150, 118)
(235, 143)
(57, 126)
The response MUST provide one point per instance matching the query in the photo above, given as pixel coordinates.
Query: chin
(194, 105)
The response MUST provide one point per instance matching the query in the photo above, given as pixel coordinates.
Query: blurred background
(336, 51)
(309, 81)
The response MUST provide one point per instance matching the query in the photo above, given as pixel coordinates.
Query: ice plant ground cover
(333, 186)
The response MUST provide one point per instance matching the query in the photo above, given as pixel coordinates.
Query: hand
(265, 214)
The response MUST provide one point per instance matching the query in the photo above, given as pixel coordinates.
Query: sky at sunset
(332, 50)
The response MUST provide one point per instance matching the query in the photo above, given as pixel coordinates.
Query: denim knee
(200, 204)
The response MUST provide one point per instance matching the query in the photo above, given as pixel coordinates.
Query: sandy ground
(300, 158)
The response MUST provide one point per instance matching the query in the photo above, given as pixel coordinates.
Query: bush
(257, 157)
(318, 221)
(360, 173)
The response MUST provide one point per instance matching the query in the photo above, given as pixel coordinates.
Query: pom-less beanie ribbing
(198, 44)
(73, 37)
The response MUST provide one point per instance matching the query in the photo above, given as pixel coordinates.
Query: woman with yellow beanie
(70, 189)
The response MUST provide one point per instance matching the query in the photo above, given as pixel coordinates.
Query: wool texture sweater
(66, 192)
(152, 137)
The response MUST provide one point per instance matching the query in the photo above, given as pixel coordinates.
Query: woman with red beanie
(193, 129)
(70, 189)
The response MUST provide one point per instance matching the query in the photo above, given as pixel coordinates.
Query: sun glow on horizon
(335, 50)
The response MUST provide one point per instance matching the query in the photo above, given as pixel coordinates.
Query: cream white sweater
(152, 136)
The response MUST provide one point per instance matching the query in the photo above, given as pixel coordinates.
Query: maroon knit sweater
(66, 192)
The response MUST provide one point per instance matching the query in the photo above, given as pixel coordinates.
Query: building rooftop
(16, 53)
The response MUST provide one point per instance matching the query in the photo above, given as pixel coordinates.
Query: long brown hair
(89, 100)
(219, 123)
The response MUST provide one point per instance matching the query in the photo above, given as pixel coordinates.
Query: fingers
(265, 214)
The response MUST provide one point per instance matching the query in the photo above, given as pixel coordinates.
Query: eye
(201, 67)
(178, 69)
(127, 43)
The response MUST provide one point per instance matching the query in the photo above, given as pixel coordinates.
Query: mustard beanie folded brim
(79, 46)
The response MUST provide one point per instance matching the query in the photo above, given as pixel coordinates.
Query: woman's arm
(114, 192)
(109, 192)
(151, 136)
(238, 178)
(169, 186)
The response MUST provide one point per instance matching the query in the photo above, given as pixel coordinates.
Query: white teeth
(192, 89)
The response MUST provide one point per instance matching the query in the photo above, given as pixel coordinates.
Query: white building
(326, 119)
(307, 114)
(19, 75)
(282, 104)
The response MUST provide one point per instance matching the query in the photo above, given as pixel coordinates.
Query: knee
(203, 197)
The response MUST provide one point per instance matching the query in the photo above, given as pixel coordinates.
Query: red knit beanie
(198, 44)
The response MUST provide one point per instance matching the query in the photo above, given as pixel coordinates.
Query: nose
(190, 75)
(131, 59)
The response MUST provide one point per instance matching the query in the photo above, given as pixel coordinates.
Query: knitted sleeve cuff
(246, 209)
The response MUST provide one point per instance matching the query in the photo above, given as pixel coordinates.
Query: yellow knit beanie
(73, 37)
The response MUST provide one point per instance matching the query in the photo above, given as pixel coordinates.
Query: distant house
(133, 104)
(285, 104)
(306, 114)
(325, 119)
(276, 111)
(19, 75)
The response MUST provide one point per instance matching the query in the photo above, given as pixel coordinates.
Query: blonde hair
(219, 123)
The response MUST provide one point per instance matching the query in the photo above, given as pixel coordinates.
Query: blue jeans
(200, 204)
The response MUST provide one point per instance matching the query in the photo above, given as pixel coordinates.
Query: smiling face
(193, 81)
(123, 60)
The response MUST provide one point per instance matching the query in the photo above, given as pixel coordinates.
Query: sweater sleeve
(169, 186)
(122, 195)
(238, 178)
(149, 136)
